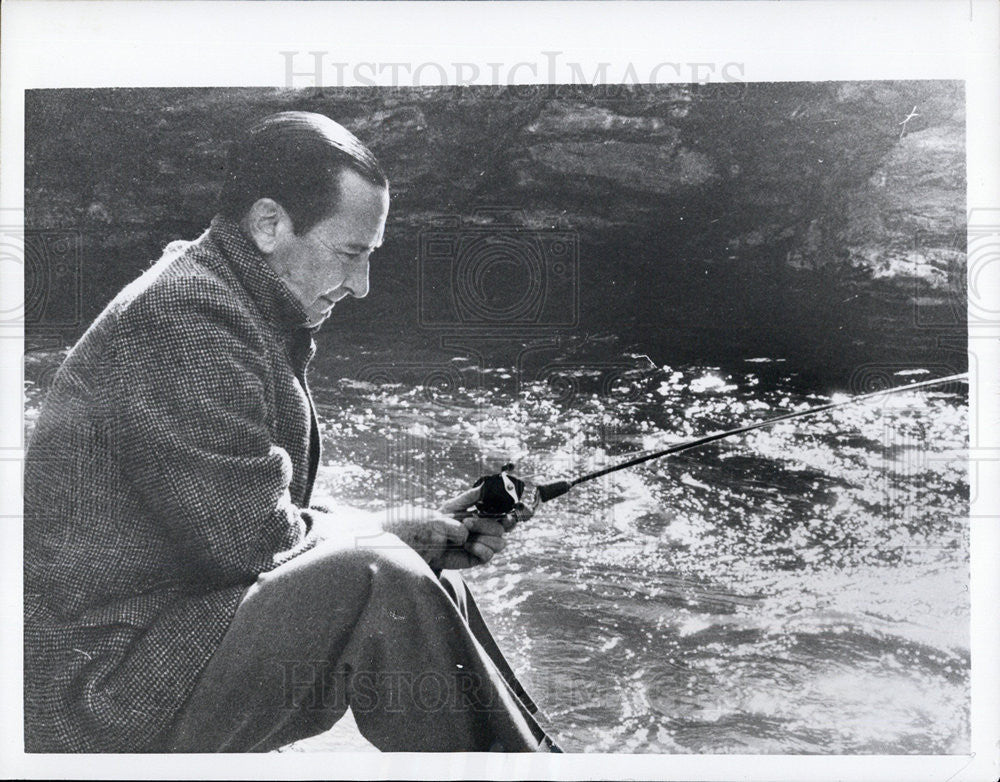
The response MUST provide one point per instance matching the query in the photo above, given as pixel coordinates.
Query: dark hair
(295, 158)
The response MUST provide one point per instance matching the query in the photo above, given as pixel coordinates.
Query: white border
(90, 43)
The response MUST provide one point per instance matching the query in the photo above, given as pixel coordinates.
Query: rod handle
(550, 491)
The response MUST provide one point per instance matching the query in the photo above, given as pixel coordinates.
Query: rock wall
(758, 186)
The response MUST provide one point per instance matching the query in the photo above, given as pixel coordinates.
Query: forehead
(361, 210)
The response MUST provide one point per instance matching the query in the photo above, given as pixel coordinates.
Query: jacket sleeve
(190, 415)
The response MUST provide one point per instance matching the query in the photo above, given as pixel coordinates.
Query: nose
(357, 280)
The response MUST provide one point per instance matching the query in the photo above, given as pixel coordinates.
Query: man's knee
(385, 559)
(399, 570)
(394, 564)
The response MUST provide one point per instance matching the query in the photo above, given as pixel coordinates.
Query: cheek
(333, 274)
(319, 271)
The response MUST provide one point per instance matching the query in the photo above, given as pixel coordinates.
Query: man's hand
(453, 538)
(430, 533)
(486, 535)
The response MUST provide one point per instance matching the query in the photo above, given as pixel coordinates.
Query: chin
(319, 320)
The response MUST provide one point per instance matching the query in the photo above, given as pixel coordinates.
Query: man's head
(314, 200)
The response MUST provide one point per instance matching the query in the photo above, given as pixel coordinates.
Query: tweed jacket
(171, 464)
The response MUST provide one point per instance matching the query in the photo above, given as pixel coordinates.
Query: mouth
(328, 300)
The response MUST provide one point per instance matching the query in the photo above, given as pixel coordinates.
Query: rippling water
(798, 589)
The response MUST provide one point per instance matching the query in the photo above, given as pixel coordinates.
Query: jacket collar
(268, 291)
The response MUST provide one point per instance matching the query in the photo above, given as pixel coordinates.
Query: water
(802, 588)
(798, 589)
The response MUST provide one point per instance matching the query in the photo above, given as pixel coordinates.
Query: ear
(267, 223)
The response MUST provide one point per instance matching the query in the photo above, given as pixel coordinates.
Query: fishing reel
(503, 491)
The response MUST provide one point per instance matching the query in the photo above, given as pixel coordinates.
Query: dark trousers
(370, 628)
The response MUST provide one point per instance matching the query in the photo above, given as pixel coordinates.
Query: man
(180, 592)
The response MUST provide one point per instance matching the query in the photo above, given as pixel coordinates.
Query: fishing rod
(502, 491)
